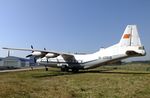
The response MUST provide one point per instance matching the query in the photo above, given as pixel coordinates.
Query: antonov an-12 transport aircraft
(129, 46)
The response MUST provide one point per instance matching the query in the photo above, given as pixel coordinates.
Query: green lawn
(127, 81)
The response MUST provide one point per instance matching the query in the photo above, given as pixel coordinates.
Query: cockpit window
(141, 48)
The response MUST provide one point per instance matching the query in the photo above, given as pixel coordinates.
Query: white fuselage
(104, 55)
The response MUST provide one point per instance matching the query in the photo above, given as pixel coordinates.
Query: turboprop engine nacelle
(51, 55)
(35, 53)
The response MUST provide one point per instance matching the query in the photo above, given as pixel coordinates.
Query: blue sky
(70, 25)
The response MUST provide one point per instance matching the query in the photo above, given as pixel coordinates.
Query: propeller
(8, 53)
(31, 47)
(46, 57)
(30, 54)
(46, 61)
(34, 59)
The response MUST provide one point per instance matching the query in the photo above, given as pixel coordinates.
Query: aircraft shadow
(59, 73)
(52, 73)
(113, 72)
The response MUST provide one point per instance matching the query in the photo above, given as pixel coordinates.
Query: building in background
(15, 62)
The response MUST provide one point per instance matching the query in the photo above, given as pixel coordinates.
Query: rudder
(130, 37)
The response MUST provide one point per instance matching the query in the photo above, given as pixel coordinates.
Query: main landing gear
(64, 68)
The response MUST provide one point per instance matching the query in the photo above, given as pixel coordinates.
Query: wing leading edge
(68, 57)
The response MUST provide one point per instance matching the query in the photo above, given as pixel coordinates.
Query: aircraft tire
(75, 70)
(64, 68)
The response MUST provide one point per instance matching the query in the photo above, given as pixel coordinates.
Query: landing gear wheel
(75, 70)
(64, 68)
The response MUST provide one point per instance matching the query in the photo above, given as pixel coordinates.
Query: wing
(68, 57)
(23, 49)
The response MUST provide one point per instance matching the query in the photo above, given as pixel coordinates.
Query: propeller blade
(34, 60)
(31, 47)
(28, 55)
(47, 60)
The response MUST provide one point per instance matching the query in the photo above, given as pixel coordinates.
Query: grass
(128, 81)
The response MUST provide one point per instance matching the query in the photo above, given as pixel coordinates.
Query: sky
(70, 25)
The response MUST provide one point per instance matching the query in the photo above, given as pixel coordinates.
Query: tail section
(130, 37)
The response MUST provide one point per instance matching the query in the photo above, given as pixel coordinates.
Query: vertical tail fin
(130, 37)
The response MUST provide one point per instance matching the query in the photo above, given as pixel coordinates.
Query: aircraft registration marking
(106, 57)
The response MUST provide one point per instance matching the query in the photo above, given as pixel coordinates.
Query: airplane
(128, 46)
